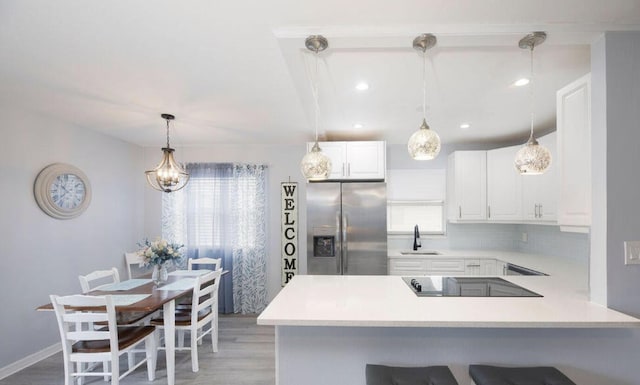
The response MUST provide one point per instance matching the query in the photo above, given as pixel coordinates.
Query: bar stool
(390, 375)
(496, 375)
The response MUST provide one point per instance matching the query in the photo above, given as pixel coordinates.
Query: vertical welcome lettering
(289, 236)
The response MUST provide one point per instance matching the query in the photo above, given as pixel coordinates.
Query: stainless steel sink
(419, 252)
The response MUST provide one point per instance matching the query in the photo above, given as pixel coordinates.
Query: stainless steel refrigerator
(347, 228)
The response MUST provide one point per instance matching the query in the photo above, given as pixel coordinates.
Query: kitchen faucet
(416, 238)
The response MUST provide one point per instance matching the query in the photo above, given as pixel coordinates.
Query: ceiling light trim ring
(532, 40)
(316, 43)
(424, 42)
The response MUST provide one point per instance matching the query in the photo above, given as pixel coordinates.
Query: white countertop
(386, 301)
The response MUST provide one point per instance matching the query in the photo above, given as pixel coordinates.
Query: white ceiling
(238, 72)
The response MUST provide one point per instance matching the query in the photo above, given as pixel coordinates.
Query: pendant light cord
(424, 84)
(315, 94)
(531, 83)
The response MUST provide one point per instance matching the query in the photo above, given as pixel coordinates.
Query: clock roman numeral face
(62, 191)
(67, 191)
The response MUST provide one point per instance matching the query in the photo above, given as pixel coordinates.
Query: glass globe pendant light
(169, 175)
(315, 165)
(533, 158)
(424, 144)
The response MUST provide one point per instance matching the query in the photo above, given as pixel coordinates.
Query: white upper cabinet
(485, 186)
(360, 160)
(337, 152)
(540, 192)
(467, 186)
(504, 185)
(574, 152)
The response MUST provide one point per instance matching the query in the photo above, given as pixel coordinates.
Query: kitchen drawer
(445, 266)
(407, 267)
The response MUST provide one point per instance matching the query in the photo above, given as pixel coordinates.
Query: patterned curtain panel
(250, 246)
(221, 213)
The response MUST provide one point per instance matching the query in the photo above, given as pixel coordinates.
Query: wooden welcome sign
(289, 236)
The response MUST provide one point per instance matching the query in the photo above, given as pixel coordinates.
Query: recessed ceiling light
(465, 125)
(357, 125)
(362, 86)
(521, 82)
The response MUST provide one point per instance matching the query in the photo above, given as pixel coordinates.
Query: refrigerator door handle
(337, 246)
(345, 248)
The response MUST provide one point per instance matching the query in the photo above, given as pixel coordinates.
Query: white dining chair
(82, 344)
(97, 279)
(132, 259)
(211, 264)
(215, 263)
(202, 318)
(101, 278)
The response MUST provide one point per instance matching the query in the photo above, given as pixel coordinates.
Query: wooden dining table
(158, 298)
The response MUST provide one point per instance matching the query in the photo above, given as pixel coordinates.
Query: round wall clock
(62, 191)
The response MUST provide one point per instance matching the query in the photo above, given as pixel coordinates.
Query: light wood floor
(246, 356)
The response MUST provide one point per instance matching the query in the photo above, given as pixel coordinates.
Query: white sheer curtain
(221, 213)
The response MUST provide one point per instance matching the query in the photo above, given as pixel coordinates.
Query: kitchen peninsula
(329, 327)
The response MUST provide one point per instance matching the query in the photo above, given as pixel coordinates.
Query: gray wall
(42, 255)
(620, 75)
(598, 260)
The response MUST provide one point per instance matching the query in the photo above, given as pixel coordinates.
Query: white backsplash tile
(541, 239)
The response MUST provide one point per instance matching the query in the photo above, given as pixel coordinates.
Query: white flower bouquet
(159, 252)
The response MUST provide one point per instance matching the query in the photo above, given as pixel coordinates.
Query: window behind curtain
(221, 214)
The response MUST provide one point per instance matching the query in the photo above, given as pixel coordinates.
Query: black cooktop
(438, 286)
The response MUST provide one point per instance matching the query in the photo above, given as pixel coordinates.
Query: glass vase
(160, 274)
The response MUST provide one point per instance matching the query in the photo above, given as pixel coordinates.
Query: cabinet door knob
(488, 211)
(460, 212)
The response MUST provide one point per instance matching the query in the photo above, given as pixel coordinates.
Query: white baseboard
(29, 360)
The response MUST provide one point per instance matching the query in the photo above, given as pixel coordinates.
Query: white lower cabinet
(472, 267)
(488, 267)
(406, 267)
(483, 266)
(501, 267)
(445, 266)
